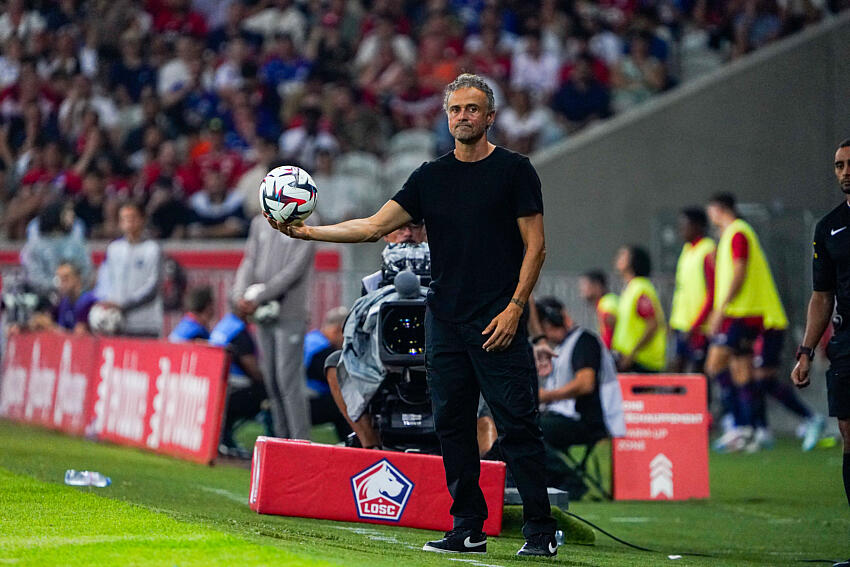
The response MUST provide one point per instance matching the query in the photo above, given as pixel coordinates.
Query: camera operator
(580, 398)
(410, 233)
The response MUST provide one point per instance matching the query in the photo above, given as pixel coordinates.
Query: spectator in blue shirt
(245, 389)
(318, 345)
(200, 311)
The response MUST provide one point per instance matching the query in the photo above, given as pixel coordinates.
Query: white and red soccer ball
(288, 194)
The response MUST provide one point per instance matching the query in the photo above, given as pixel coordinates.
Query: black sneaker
(459, 540)
(842, 564)
(540, 545)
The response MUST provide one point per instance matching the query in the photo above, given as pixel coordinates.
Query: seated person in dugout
(71, 314)
(580, 397)
(245, 388)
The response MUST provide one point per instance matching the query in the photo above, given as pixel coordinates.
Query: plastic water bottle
(559, 537)
(86, 478)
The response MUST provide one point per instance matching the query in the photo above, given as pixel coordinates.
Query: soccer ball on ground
(288, 194)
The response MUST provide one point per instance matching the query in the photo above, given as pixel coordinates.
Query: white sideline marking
(632, 520)
(85, 540)
(226, 493)
(473, 562)
(375, 535)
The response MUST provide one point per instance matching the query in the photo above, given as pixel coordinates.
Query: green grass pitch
(773, 508)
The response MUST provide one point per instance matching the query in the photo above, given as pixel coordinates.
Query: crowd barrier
(295, 478)
(167, 398)
(664, 455)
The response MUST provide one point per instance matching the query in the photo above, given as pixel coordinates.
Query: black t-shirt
(241, 345)
(471, 211)
(587, 353)
(831, 259)
(316, 367)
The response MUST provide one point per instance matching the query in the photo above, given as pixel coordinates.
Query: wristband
(518, 302)
(536, 339)
(804, 350)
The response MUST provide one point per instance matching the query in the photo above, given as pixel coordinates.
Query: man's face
(623, 260)
(687, 230)
(469, 115)
(408, 234)
(589, 290)
(67, 281)
(715, 213)
(842, 169)
(130, 221)
(554, 334)
(334, 334)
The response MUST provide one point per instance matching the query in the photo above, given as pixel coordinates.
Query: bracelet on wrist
(805, 351)
(518, 302)
(537, 338)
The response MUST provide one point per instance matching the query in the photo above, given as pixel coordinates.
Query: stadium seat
(415, 140)
(399, 167)
(359, 164)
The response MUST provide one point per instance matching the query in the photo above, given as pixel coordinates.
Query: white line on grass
(226, 493)
(51, 541)
(473, 562)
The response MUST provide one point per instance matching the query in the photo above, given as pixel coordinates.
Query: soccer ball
(288, 194)
(105, 320)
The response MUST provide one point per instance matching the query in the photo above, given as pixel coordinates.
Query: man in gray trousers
(278, 269)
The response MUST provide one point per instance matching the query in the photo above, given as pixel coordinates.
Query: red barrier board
(664, 455)
(46, 380)
(164, 397)
(160, 396)
(294, 478)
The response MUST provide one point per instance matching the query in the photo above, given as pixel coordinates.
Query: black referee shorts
(838, 375)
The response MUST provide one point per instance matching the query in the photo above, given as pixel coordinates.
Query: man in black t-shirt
(484, 210)
(831, 275)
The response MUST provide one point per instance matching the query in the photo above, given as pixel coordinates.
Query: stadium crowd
(183, 105)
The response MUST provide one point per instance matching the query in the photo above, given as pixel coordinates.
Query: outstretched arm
(390, 217)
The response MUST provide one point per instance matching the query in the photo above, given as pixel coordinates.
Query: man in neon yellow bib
(593, 287)
(745, 303)
(693, 298)
(640, 337)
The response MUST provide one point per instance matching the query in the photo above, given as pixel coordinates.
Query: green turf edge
(49, 524)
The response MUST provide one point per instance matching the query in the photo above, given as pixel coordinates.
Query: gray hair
(467, 80)
(335, 316)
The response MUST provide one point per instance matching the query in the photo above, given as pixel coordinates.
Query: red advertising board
(160, 396)
(664, 454)
(359, 485)
(46, 380)
(164, 397)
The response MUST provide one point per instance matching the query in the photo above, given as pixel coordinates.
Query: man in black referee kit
(484, 210)
(831, 275)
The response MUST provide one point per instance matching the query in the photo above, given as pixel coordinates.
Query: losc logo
(381, 492)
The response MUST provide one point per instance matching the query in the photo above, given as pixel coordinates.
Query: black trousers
(457, 370)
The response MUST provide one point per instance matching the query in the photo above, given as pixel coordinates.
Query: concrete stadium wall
(764, 128)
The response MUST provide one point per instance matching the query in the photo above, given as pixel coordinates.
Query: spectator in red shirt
(215, 155)
(176, 16)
